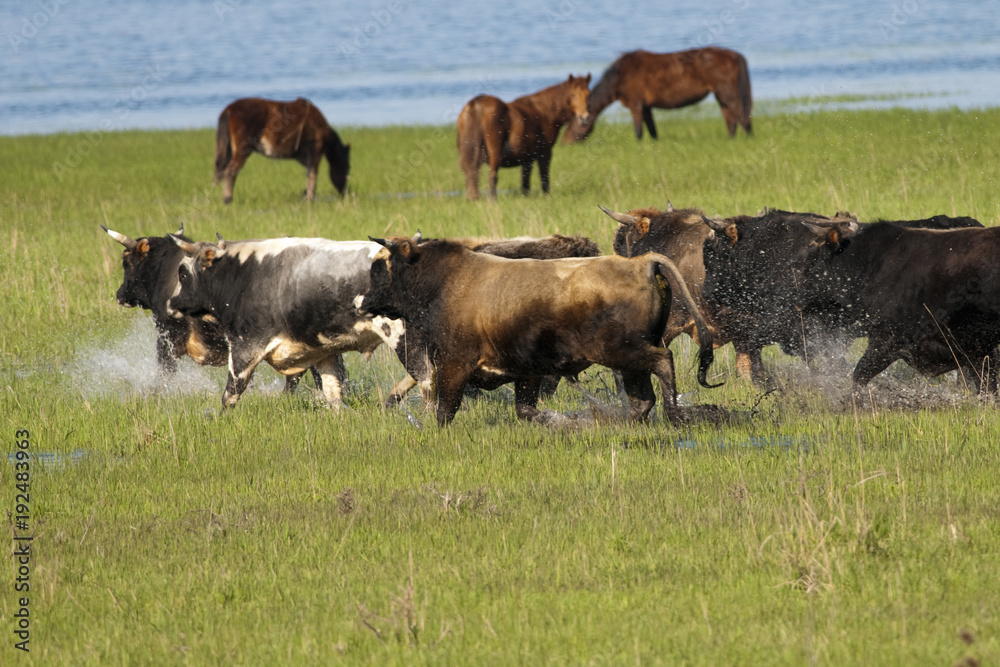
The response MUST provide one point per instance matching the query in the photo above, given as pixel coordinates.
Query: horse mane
(603, 93)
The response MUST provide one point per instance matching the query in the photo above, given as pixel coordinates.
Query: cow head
(194, 273)
(142, 260)
(389, 276)
(834, 237)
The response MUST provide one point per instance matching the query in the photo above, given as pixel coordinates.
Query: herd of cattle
(462, 312)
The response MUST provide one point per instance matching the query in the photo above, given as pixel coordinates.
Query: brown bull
(525, 318)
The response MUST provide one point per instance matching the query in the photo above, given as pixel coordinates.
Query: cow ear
(207, 256)
(823, 234)
(732, 233)
(141, 248)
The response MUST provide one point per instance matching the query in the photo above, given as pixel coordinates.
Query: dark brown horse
(641, 80)
(280, 130)
(515, 134)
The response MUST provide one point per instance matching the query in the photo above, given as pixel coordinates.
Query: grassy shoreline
(806, 528)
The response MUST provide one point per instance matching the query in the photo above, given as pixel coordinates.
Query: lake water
(74, 65)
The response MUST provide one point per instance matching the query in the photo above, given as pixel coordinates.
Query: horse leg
(731, 119)
(312, 169)
(647, 117)
(526, 178)
(494, 168)
(229, 175)
(471, 181)
(543, 169)
(636, 111)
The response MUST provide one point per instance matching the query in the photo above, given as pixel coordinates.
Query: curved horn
(180, 230)
(717, 225)
(121, 238)
(188, 247)
(621, 218)
(417, 238)
(670, 207)
(385, 243)
(222, 241)
(762, 212)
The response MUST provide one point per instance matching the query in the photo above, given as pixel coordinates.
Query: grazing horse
(641, 80)
(512, 134)
(280, 130)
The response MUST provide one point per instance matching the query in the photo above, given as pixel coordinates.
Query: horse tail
(746, 100)
(471, 138)
(223, 147)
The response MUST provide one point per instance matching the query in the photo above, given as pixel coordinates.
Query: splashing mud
(128, 366)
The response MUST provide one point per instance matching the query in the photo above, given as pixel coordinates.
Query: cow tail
(746, 99)
(223, 147)
(471, 140)
(706, 353)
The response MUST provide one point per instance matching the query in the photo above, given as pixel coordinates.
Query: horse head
(578, 98)
(339, 156)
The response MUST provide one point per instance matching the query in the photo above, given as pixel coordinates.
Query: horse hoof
(227, 200)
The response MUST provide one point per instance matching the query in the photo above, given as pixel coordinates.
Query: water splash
(128, 366)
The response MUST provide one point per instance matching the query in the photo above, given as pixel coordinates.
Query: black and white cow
(288, 301)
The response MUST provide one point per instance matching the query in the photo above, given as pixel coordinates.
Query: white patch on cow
(244, 250)
(390, 331)
(489, 369)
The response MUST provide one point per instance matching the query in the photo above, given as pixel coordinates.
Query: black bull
(524, 318)
(789, 281)
(928, 297)
(149, 279)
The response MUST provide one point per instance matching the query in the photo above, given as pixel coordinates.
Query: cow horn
(670, 207)
(621, 218)
(188, 247)
(717, 225)
(121, 238)
(762, 212)
(222, 241)
(385, 243)
(180, 230)
(417, 238)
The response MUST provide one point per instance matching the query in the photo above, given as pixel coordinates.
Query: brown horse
(512, 134)
(641, 80)
(279, 130)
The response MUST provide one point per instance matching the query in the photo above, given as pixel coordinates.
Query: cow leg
(399, 390)
(549, 385)
(526, 397)
(647, 117)
(292, 382)
(241, 367)
(229, 175)
(526, 178)
(641, 398)
(166, 360)
(543, 169)
(663, 368)
(331, 370)
(749, 365)
(636, 111)
(450, 388)
(872, 362)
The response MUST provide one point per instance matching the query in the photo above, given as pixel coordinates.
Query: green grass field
(802, 527)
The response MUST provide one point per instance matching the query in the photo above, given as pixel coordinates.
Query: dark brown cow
(516, 134)
(295, 130)
(527, 318)
(681, 235)
(642, 81)
(412, 349)
(678, 235)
